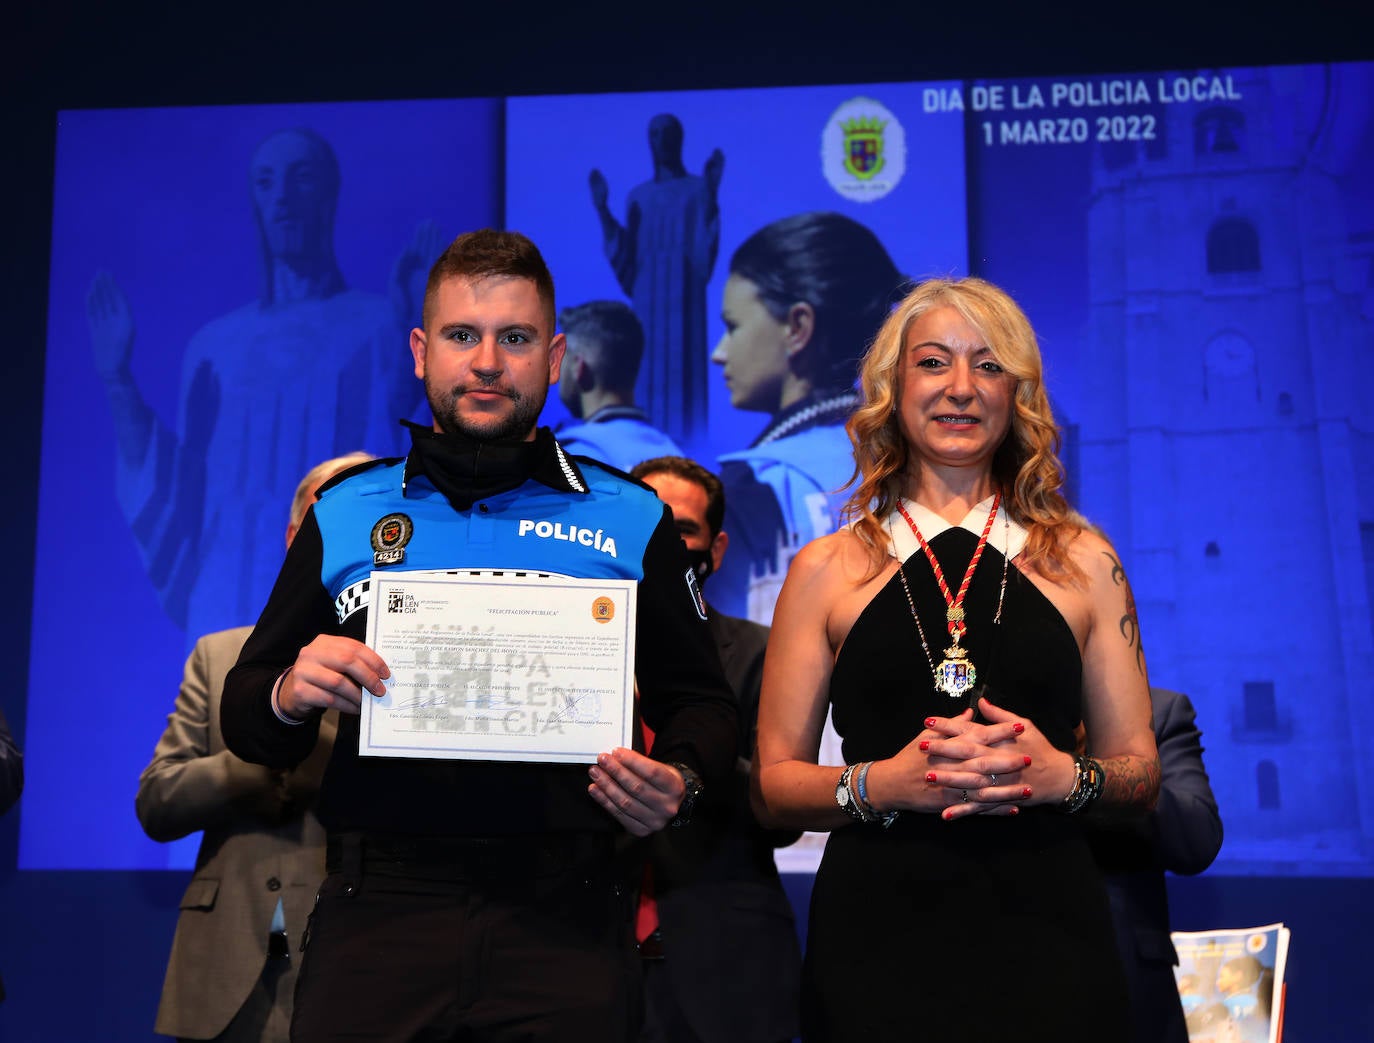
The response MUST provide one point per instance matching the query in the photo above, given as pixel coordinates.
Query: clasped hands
(959, 767)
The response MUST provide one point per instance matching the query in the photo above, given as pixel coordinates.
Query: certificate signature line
(422, 703)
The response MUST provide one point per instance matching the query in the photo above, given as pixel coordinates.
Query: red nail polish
(924, 745)
(1018, 727)
(1014, 810)
(1026, 792)
(930, 722)
(1028, 762)
(930, 776)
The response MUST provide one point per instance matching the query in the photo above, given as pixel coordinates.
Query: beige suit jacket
(260, 845)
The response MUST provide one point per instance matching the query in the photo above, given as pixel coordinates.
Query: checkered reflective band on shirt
(501, 574)
(356, 597)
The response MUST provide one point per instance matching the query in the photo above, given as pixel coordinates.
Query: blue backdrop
(1201, 281)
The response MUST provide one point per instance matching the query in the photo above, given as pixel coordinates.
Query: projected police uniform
(605, 349)
(806, 464)
(620, 436)
(526, 845)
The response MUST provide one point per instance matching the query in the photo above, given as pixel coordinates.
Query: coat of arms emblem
(863, 146)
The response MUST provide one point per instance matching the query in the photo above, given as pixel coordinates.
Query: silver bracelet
(845, 796)
(281, 714)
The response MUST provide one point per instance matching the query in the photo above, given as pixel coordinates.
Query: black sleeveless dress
(980, 929)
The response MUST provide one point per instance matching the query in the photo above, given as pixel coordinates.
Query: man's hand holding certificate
(500, 666)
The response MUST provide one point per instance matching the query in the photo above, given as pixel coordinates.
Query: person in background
(1182, 835)
(231, 974)
(960, 628)
(724, 965)
(605, 347)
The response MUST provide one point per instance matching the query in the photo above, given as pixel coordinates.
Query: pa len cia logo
(863, 150)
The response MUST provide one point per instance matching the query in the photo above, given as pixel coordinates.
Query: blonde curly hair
(1025, 467)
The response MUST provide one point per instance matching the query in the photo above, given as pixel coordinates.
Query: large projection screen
(1195, 252)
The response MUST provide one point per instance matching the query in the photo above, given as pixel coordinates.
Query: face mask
(701, 563)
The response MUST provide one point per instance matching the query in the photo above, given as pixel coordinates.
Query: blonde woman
(962, 626)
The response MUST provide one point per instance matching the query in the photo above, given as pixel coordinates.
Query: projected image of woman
(803, 299)
(959, 628)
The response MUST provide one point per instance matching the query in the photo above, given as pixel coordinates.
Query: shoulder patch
(389, 538)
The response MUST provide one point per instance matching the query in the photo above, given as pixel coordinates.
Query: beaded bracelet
(1088, 780)
(870, 813)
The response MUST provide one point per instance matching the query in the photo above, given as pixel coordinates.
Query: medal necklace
(956, 674)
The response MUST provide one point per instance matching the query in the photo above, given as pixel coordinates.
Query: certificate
(500, 666)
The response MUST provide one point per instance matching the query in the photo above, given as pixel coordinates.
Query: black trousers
(479, 941)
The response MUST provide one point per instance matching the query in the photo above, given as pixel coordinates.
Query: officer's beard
(513, 426)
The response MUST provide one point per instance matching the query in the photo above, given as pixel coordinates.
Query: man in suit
(724, 965)
(231, 974)
(1183, 835)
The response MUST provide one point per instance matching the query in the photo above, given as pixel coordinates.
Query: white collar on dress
(1008, 536)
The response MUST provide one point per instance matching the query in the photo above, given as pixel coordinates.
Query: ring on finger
(993, 777)
(964, 797)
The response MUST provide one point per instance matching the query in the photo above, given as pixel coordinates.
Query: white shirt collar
(1007, 535)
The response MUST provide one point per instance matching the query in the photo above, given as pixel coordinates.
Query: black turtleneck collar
(466, 470)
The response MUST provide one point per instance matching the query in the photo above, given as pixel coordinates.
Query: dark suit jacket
(260, 844)
(11, 778)
(11, 768)
(1182, 835)
(729, 939)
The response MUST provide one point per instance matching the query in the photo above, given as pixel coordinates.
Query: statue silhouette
(307, 371)
(662, 257)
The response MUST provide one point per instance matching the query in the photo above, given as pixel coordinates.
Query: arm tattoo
(1132, 782)
(1130, 622)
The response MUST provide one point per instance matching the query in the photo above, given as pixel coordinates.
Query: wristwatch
(855, 804)
(690, 795)
(844, 797)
